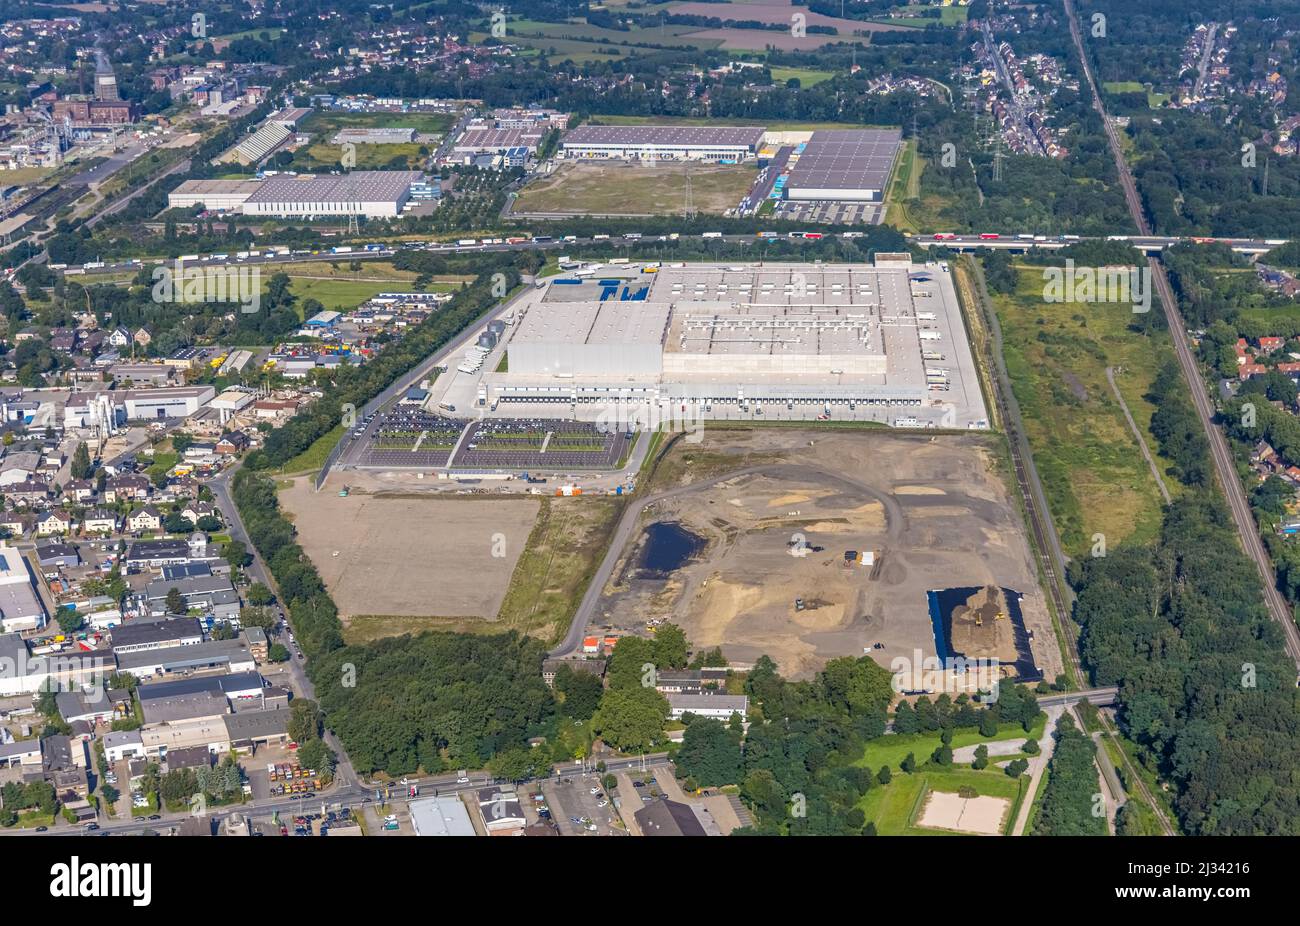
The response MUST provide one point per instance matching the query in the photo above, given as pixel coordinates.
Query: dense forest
(1069, 806)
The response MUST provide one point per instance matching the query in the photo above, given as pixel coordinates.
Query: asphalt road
(257, 571)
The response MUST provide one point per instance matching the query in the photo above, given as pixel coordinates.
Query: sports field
(898, 808)
(616, 188)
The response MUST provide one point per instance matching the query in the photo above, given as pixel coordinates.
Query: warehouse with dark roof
(663, 142)
(844, 165)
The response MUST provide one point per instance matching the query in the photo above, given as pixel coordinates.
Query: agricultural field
(807, 77)
(523, 30)
(1093, 471)
(616, 188)
(579, 52)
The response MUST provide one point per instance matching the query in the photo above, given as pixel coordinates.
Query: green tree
(259, 595)
(581, 692)
(710, 753)
(304, 720)
(631, 719)
(81, 467)
(670, 647)
(175, 601)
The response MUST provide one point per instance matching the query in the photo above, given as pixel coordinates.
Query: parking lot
(577, 811)
(536, 443)
(408, 436)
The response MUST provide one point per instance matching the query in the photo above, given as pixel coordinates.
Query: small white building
(716, 706)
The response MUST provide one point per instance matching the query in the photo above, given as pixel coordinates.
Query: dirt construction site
(810, 545)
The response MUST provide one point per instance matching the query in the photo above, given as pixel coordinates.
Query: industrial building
(20, 607)
(591, 338)
(663, 142)
(270, 138)
(166, 402)
(370, 193)
(377, 136)
(844, 165)
(880, 342)
(214, 195)
(445, 815)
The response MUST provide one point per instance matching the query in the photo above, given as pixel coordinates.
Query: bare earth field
(779, 11)
(981, 815)
(615, 188)
(935, 514)
(410, 555)
(759, 39)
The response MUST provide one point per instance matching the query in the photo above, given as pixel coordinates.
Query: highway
(1146, 242)
(1222, 456)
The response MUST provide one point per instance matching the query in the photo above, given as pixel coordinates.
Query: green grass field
(632, 189)
(341, 295)
(774, 126)
(904, 188)
(313, 458)
(1092, 468)
(807, 76)
(323, 124)
(893, 749)
(894, 807)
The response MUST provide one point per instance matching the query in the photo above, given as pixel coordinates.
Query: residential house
(232, 443)
(31, 492)
(99, 521)
(52, 523)
(194, 511)
(82, 491)
(147, 518)
(127, 487)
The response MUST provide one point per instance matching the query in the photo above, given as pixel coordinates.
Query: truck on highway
(467, 242)
(345, 249)
(711, 235)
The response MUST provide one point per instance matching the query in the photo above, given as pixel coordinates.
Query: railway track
(1224, 466)
(1051, 558)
